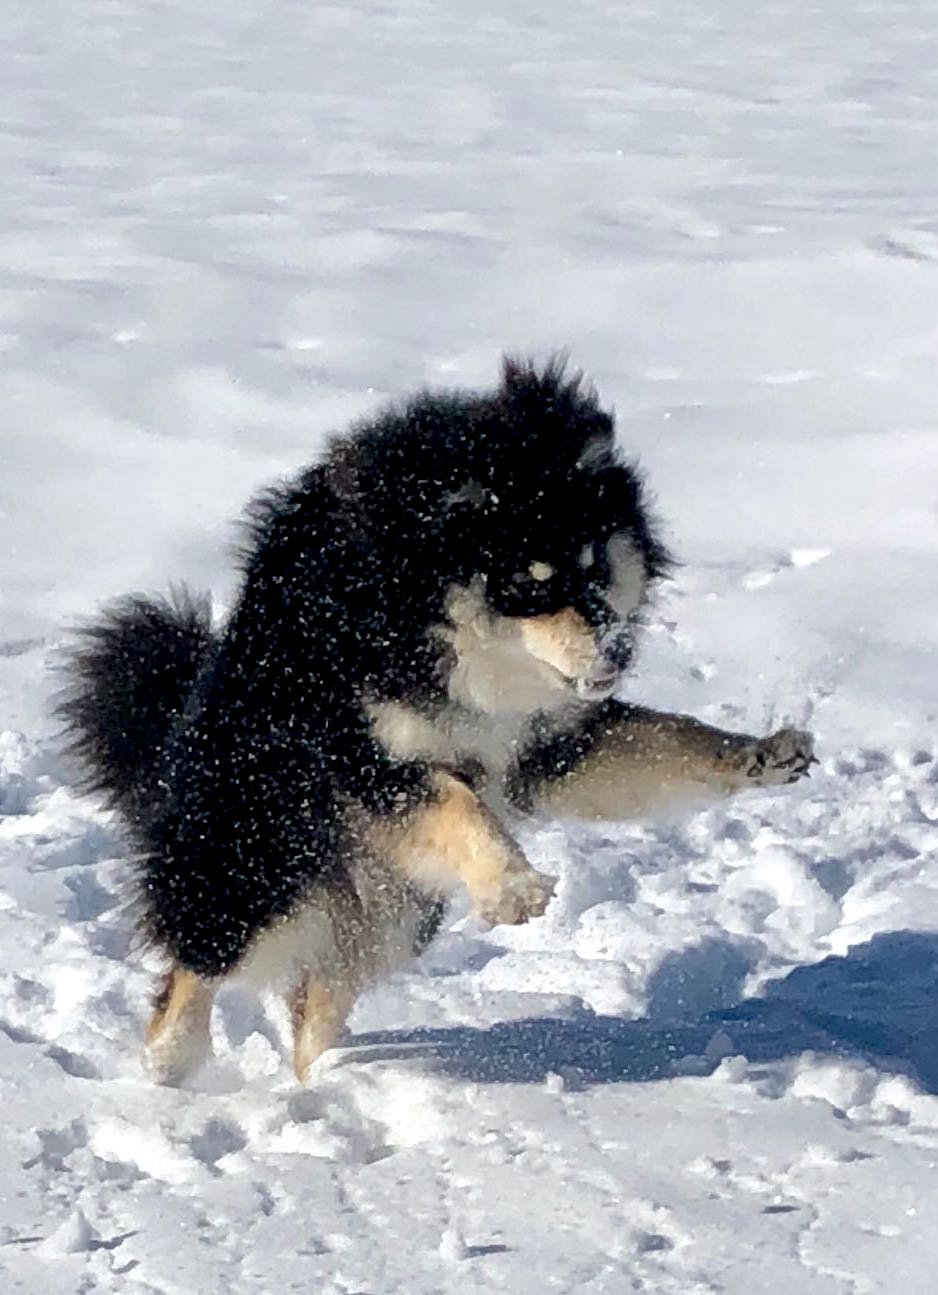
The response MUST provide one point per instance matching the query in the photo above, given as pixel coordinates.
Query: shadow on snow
(878, 1003)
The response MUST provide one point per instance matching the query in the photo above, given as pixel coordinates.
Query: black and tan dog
(432, 622)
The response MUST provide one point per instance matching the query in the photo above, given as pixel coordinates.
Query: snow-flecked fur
(347, 572)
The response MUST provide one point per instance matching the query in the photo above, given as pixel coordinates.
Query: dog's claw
(781, 758)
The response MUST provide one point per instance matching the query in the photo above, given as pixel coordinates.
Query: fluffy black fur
(233, 759)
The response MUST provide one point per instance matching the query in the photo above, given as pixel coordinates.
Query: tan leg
(177, 1039)
(319, 1011)
(456, 839)
(648, 762)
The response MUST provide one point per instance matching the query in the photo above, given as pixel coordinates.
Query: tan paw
(524, 894)
(782, 757)
(172, 1059)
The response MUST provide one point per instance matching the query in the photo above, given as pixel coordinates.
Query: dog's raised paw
(523, 895)
(782, 757)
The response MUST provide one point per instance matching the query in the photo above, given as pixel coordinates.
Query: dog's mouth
(595, 686)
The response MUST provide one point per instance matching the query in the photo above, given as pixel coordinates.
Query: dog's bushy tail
(127, 679)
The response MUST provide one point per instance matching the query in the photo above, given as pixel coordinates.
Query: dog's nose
(617, 646)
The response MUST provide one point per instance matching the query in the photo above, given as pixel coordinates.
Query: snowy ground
(225, 229)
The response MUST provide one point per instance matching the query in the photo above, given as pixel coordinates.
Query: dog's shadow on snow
(879, 1003)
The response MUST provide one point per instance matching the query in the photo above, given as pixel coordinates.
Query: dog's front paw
(782, 757)
(524, 894)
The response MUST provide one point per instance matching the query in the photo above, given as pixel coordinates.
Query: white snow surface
(229, 228)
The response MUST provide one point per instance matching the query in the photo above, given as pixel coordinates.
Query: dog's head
(562, 549)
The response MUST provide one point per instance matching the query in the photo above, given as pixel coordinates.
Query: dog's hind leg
(177, 1039)
(455, 838)
(636, 763)
(319, 1010)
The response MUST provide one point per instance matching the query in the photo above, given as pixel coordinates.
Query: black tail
(128, 678)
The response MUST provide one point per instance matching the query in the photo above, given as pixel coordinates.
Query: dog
(433, 622)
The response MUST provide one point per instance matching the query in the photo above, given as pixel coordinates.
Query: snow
(228, 229)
